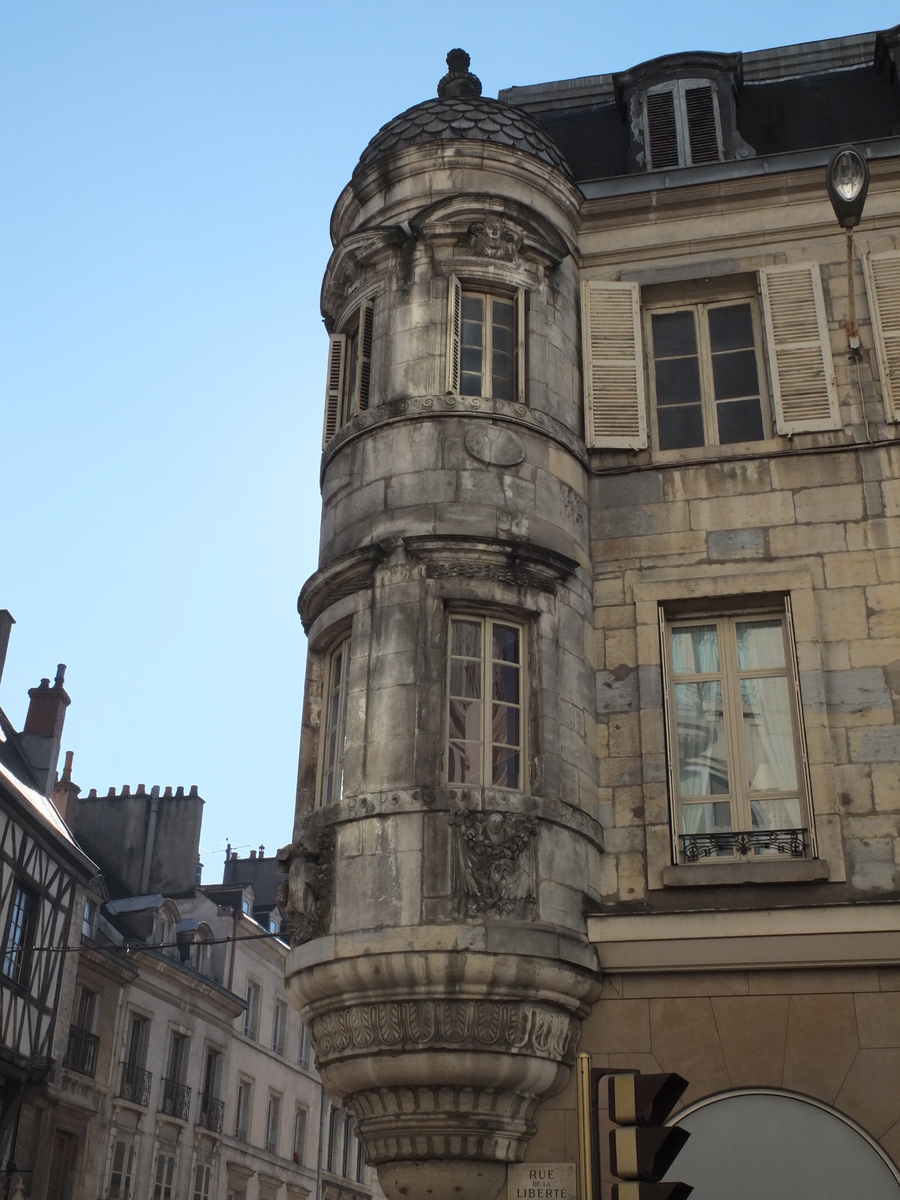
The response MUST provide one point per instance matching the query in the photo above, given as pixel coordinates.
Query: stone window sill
(798, 870)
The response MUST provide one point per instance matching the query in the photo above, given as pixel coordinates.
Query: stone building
(600, 742)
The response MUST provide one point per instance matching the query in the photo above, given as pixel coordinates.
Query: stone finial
(459, 83)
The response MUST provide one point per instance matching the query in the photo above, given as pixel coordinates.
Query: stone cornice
(455, 800)
(348, 574)
(448, 405)
(519, 564)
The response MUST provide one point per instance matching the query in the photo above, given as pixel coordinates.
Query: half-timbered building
(44, 879)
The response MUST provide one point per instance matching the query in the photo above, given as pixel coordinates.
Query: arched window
(760, 1142)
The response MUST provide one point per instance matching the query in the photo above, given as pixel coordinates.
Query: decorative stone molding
(348, 574)
(494, 864)
(448, 405)
(493, 238)
(446, 1025)
(494, 445)
(455, 799)
(520, 564)
(306, 896)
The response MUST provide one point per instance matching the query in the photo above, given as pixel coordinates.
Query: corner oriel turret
(445, 842)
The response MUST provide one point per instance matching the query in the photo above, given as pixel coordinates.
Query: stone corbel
(517, 564)
(348, 574)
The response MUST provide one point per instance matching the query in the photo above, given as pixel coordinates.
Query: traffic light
(642, 1149)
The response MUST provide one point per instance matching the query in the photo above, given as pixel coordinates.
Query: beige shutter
(366, 325)
(883, 289)
(335, 388)
(615, 411)
(519, 348)
(454, 316)
(803, 383)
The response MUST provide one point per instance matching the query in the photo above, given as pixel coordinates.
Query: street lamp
(847, 181)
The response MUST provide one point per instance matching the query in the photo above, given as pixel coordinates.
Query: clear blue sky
(169, 167)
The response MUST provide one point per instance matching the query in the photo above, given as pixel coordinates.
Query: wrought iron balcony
(135, 1084)
(792, 842)
(176, 1099)
(81, 1052)
(212, 1110)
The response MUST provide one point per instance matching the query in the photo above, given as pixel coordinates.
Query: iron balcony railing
(135, 1084)
(81, 1052)
(792, 842)
(212, 1110)
(176, 1099)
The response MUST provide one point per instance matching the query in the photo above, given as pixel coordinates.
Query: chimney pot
(253, 854)
(154, 791)
(194, 790)
(126, 789)
(179, 793)
(167, 794)
(111, 792)
(262, 852)
(92, 794)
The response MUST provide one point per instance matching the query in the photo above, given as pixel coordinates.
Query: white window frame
(678, 88)
(331, 770)
(487, 623)
(488, 292)
(708, 402)
(279, 1027)
(725, 617)
(243, 1109)
(251, 1013)
(202, 1179)
(273, 1122)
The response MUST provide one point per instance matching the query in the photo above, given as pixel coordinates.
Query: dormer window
(682, 124)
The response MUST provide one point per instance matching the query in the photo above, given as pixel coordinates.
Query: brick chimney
(40, 739)
(65, 793)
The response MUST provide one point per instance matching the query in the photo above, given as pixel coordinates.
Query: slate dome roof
(460, 112)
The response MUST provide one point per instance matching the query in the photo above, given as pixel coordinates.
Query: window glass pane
(734, 374)
(695, 650)
(506, 643)
(506, 683)
(465, 720)
(502, 350)
(730, 328)
(776, 814)
(472, 345)
(702, 758)
(674, 334)
(505, 767)
(465, 639)
(713, 817)
(768, 734)
(680, 427)
(677, 381)
(760, 644)
(740, 421)
(464, 763)
(465, 678)
(505, 725)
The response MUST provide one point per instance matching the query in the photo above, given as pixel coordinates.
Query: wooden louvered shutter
(703, 134)
(662, 130)
(117, 1174)
(454, 316)
(366, 325)
(615, 411)
(334, 391)
(519, 348)
(803, 384)
(883, 289)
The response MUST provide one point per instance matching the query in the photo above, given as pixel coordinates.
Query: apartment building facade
(600, 747)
